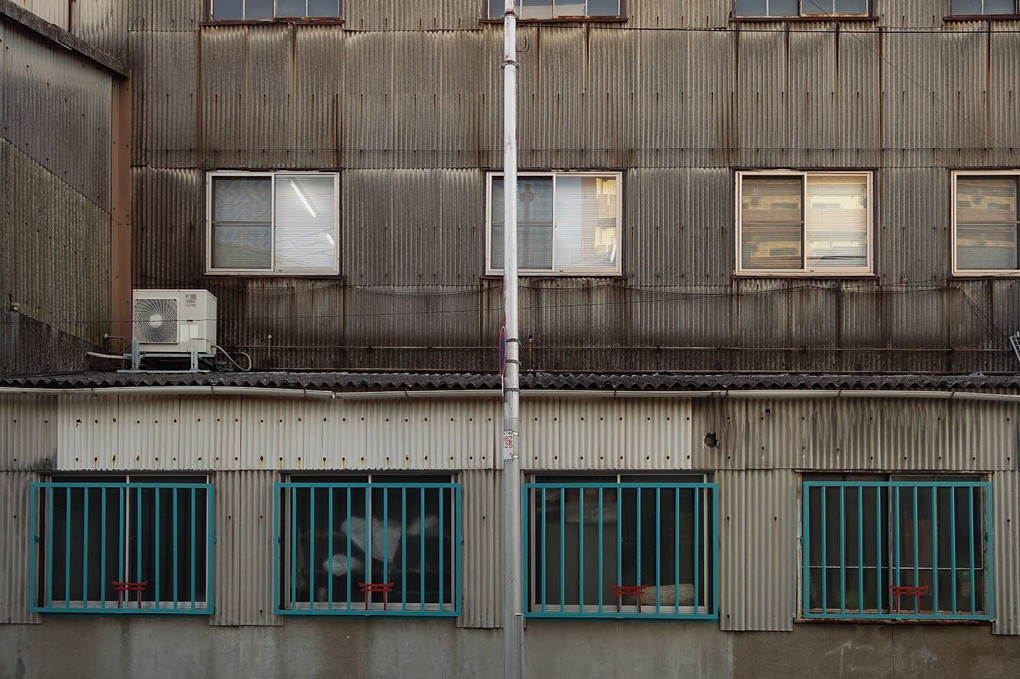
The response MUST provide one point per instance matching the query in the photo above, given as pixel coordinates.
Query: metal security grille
(897, 549)
(621, 550)
(367, 548)
(122, 547)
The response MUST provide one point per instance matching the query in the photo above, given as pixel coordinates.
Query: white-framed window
(568, 223)
(801, 8)
(984, 7)
(558, 9)
(804, 223)
(255, 10)
(273, 223)
(986, 222)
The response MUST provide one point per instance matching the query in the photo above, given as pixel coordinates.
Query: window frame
(285, 543)
(983, 15)
(705, 515)
(43, 570)
(211, 177)
(898, 481)
(210, 4)
(595, 271)
(622, 16)
(866, 271)
(802, 15)
(979, 273)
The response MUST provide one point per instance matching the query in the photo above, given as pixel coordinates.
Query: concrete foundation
(391, 649)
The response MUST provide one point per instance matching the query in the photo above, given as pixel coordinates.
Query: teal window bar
(900, 549)
(367, 548)
(621, 550)
(121, 548)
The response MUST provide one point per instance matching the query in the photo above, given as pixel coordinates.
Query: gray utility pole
(513, 616)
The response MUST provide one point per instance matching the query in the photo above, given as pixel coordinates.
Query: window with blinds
(568, 223)
(985, 224)
(817, 223)
(273, 223)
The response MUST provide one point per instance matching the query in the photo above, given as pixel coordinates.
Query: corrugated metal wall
(28, 440)
(482, 586)
(14, 536)
(55, 124)
(758, 552)
(1006, 498)
(244, 548)
(763, 446)
(405, 103)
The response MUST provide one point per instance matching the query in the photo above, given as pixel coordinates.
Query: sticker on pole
(502, 351)
(509, 438)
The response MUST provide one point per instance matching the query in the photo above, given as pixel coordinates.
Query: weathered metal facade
(764, 445)
(401, 101)
(56, 194)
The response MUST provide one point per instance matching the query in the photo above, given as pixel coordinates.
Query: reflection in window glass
(242, 10)
(965, 7)
(987, 222)
(566, 222)
(556, 9)
(805, 222)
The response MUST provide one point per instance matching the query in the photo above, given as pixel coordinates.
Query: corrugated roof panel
(1006, 541)
(14, 536)
(482, 589)
(244, 548)
(758, 557)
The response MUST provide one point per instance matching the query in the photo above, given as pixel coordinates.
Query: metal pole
(513, 616)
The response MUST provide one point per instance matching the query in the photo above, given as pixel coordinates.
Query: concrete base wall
(391, 649)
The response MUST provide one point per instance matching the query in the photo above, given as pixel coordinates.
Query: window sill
(564, 20)
(805, 19)
(313, 21)
(554, 274)
(971, 275)
(893, 621)
(980, 17)
(268, 274)
(805, 274)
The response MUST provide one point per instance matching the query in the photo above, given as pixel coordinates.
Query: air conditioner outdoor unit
(174, 321)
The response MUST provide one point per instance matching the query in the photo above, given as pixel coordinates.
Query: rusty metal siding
(14, 536)
(1006, 537)
(481, 583)
(165, 98)
(56, 108)
(28, 438)
(244, 548)
(758, 551)
(105, 23)
(53, 11)
(394, 15)
(856, 433)
(48, 224)
(605, 434)
(169, 230)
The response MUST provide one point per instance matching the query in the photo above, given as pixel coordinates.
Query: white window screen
(986, 223)
(305, 214)
(837, 221)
